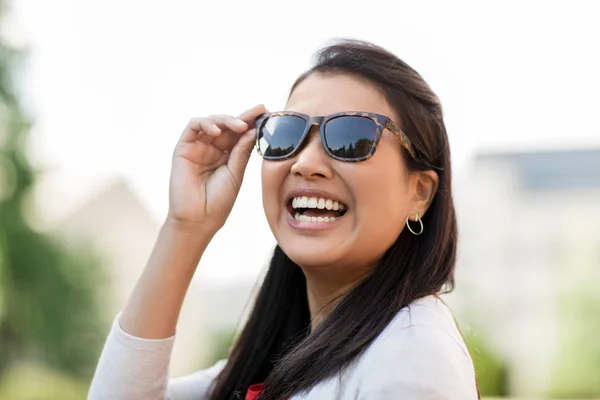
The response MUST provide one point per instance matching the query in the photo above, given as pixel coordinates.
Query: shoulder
(422, 354)
(430, 316)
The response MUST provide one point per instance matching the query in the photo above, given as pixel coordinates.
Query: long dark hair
(276, 346)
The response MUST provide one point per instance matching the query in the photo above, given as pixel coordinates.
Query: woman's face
(377, 194)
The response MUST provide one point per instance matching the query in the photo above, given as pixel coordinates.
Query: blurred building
(115, 222)
(529, 238)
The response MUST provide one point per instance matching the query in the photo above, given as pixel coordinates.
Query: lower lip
(311, 226)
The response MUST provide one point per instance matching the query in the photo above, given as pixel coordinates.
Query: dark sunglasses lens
(350, 137)
(280, 135)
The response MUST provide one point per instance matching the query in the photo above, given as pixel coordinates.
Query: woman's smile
(314, 209)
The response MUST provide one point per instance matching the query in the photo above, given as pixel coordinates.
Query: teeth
(304, 218)
(302, 202)
(320, 203)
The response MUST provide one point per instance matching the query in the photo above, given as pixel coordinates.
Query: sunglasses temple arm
(407, 144)
(403, 139)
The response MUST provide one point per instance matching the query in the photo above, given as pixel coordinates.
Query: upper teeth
(317, 202)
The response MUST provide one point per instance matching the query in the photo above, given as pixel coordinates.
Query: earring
(417, 219)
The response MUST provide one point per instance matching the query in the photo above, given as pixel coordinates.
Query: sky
(110, 85)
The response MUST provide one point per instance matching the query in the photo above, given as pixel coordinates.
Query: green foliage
(221, 342)
(49, 384)
(48, 305)
(576, 370)
(491, 372)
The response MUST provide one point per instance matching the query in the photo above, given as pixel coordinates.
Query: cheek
(272, 176)
(383, 199)
(383, 203)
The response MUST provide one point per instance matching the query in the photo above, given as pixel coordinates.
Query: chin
(311, 256)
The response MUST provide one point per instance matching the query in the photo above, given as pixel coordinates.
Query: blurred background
(93, 96)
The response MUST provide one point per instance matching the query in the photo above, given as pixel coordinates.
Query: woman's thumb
(240, 154)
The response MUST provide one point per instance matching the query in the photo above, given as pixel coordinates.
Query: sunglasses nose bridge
(312, 123)
(312, 134)
(312, 137)
(315, 121)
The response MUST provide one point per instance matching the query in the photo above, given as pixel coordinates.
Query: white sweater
(419, 355)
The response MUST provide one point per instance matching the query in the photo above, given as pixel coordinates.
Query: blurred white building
(116, 223)
(529, 234)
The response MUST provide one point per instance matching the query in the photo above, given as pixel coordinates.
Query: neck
(324, 292)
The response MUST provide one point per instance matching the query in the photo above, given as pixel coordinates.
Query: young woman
(356, 188)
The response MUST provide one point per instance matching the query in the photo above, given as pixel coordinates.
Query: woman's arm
(155, 304)
(136, 368)
(135, 360)
(207, 171)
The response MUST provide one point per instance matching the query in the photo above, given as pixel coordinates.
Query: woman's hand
(208, 167)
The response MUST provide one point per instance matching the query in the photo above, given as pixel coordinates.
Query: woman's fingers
(221, 131)
(198, 153)
(237, 126)
(228, 121)
(240, 154)
(213, 125)
(207, 128)
(228, 141)
(249, 116)
(204, 125)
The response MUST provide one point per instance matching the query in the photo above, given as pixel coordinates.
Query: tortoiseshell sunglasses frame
(381, 122)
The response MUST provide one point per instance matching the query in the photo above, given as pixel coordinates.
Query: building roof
(557, 169)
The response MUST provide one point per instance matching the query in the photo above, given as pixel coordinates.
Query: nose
(311, 161)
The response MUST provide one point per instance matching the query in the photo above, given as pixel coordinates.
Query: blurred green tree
(576, 369)
(49, 309)
(490, 370)
(221, 341)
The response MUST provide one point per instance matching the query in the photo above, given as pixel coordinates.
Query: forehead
(323, 94)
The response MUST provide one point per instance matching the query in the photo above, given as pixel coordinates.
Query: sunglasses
(346, 136)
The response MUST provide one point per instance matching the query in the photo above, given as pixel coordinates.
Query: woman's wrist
(197, 234)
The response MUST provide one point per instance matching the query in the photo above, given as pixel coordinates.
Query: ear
(424, 187)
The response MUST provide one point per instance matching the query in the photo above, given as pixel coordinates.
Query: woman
(357, 191)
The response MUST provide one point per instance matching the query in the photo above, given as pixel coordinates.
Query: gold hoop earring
(417, 219)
